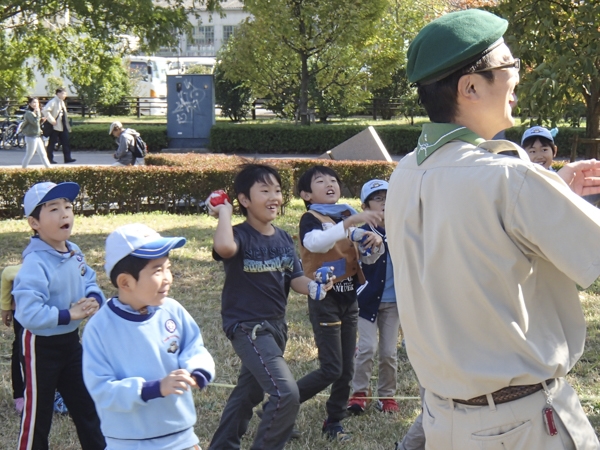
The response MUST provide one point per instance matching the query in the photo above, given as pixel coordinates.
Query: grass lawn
(197, 285)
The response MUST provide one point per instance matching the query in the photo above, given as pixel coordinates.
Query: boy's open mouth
(65, 227)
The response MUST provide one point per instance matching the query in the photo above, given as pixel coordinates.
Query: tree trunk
(592, 127)
(303, 103)
(592, 122)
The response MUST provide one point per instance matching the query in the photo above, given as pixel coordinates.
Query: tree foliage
(39, 33)
(299, 46)
(385, 55)
(234, 98)
(559, 45)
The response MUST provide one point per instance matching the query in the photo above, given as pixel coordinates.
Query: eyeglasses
(516, 64)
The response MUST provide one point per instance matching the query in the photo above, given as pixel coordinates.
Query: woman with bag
(32, 132)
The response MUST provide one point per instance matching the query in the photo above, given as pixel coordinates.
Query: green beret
(451, 42)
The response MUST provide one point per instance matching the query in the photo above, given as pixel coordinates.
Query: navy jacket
(369, 294)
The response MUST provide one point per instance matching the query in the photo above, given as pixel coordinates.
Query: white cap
(115, 124)
(372, 186)
(138, 240)
(41, 193)
(538, 131)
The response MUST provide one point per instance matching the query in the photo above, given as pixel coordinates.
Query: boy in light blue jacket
(143, 351)
(54, 290)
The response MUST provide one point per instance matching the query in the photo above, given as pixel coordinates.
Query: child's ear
(555, 151)
(365, 206)
(33, 223)
(243, 200)
(125, 281)
(306, 196)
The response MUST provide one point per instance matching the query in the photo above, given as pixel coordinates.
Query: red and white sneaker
(357, 403)
(387, 405)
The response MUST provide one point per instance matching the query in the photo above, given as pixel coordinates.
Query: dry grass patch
(197, 285)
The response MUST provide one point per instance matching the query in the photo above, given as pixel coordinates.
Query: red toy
(218, 197)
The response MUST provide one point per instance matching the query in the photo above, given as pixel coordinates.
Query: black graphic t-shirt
(258, 276)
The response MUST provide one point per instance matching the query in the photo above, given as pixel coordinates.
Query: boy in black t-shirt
(328, 238)
(260, 267)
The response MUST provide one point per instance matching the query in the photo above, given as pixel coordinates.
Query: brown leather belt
(505, 395)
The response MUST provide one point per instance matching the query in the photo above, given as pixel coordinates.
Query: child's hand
(7, 317)
(85, 307)
(216, 211)
(92, 306)
(372, 240)
(373, 218)
(176, 383)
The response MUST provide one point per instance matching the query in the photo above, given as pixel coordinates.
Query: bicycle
(10, 131)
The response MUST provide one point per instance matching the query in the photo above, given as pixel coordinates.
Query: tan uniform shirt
(487, 249)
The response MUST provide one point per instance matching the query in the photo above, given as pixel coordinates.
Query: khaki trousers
(516, 425)
(388, 324)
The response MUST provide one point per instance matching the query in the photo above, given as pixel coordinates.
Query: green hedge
(294, 139)
(175, 183)
(95, 136)
(287, 138)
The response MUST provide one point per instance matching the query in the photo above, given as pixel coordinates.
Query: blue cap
(138, 240)
(539, 132)
(372, 186)
(47, 191)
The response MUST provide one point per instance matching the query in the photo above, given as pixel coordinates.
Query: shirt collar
(434, 135)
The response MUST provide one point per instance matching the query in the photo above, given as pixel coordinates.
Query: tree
(234, 98)
(559, 45)
(294, 42)
(98, 76)
(36, 33)
(385, 54)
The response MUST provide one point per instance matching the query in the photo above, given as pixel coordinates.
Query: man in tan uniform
(487, 249)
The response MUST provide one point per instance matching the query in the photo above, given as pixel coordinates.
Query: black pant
(263, 370)
(15, 362)
(54, 363)
(334, 326)
(63, 138)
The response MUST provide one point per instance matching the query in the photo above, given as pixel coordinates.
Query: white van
(149, 74)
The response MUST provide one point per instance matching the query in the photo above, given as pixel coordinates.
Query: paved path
(13, 157)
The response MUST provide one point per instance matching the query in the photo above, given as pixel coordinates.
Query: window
(204, 35)
(203, 41)
(228, 31)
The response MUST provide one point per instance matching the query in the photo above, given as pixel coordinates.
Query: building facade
(211, 32)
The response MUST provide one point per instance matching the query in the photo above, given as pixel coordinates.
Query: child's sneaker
(19, 405)
(334, 431)
(387, 405)
(59, 404)
(357, 403)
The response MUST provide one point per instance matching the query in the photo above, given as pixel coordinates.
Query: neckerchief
(337, 211)
(434, 135)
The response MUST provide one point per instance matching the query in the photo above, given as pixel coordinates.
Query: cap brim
(159, 248)
(68, 190)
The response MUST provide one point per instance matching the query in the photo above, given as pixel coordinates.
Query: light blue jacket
(125, 355)
(48, 283)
